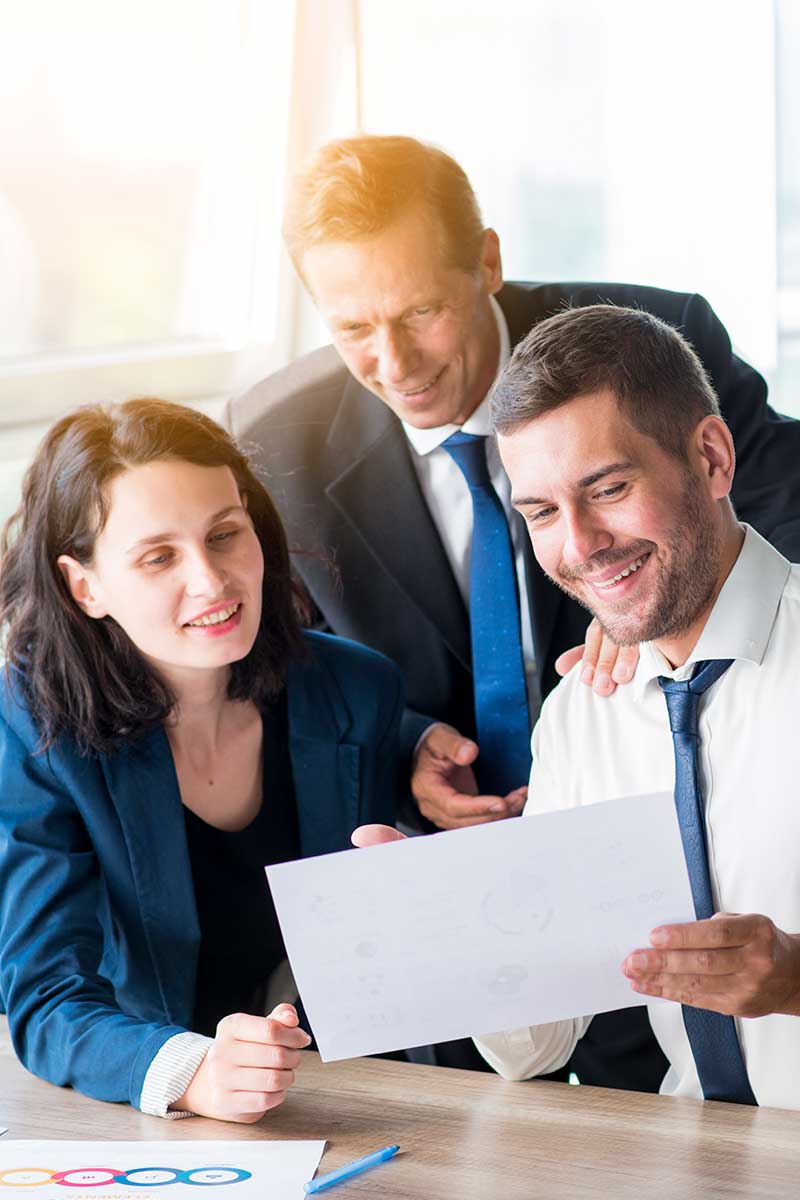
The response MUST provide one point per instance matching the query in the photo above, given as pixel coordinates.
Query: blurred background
(145, 147)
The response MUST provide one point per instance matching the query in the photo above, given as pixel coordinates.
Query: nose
(583, 536)
(204, 577)
(396, 356)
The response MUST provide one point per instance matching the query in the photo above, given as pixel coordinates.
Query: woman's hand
(249, 1067)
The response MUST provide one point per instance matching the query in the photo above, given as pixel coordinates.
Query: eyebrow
(155, 538)
(587, 482)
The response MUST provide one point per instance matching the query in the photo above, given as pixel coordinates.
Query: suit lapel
(325, 768)
(144, 789)
(375, 488)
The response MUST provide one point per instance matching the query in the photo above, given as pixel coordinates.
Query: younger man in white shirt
(622, 468)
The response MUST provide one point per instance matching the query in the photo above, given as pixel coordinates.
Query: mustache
(601, 560)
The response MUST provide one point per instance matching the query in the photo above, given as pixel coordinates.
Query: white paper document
(482, 929)
(252, 1170)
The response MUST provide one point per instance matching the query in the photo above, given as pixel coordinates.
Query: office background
(145, 148)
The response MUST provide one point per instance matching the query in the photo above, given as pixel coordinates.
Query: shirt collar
(740, 623)
(425, 440)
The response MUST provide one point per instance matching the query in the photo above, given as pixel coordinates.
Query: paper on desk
(131, 1170)
(481, 929)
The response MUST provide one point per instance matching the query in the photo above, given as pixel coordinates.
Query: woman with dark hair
(166, 730)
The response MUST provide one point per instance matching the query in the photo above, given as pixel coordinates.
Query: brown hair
(354, 188)
(658, 380)
(84, 676)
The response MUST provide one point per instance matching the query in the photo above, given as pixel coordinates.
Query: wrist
(792, 1005)
(192, 1100)
(422, 739)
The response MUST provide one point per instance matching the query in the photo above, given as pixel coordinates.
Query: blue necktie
(712, 1036)
(498, 670)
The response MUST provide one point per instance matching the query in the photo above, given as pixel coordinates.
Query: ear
(491, 263)
(713, 446)
(79, 581)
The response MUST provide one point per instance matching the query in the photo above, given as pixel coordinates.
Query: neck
(201, 699)
(677, 649)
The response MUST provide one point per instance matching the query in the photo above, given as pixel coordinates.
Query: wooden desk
(466, 1136)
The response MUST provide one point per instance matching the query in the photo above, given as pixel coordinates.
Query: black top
(241, 941)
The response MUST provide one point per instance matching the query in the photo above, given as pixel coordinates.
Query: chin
(626, 630)
(432, 417)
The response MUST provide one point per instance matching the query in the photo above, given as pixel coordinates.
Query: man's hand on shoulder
(444, 787)
(604, 663)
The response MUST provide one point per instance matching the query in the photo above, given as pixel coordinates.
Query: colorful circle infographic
(88, 1177)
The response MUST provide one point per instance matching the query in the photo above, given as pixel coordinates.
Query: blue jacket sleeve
(65, 1024)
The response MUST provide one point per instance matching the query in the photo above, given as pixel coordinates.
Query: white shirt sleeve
(171, 1072)
(537, 1049)
(533, 1050)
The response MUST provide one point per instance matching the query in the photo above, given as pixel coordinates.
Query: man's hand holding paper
(739, 965)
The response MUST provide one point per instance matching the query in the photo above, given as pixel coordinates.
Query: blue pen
(353, 1168)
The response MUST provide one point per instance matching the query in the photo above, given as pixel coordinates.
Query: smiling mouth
(216, 618)
(629, 570)
(413, 393)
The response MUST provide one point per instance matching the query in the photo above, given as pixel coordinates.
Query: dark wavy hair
(84, 676)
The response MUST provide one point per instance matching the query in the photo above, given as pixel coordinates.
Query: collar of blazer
(373, 486)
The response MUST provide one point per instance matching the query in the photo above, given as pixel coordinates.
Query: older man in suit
(378, 454)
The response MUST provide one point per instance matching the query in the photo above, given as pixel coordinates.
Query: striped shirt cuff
(171, 1072)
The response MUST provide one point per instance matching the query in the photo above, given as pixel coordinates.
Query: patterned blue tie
(712, 1036)
(498, 670)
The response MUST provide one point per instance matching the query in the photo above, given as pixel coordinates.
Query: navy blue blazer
(99, 934)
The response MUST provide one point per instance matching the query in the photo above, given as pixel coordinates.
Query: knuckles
(705, 961)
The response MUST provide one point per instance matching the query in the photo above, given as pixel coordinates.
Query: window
(610, 139)
(785, 380)
(144, 147)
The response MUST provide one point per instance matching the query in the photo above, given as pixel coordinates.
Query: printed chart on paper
(251, 1170)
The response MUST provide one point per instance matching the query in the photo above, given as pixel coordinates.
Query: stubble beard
(682, 589)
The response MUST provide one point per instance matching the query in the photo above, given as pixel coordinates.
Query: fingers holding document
(736, 964)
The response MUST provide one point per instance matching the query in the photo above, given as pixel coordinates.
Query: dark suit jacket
(338, 465)
(99, 934)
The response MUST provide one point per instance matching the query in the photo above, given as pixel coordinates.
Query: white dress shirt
(450, 504)
(586, 750)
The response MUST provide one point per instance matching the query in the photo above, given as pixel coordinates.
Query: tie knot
(468, 452)
(682, 695)
(681, 705)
